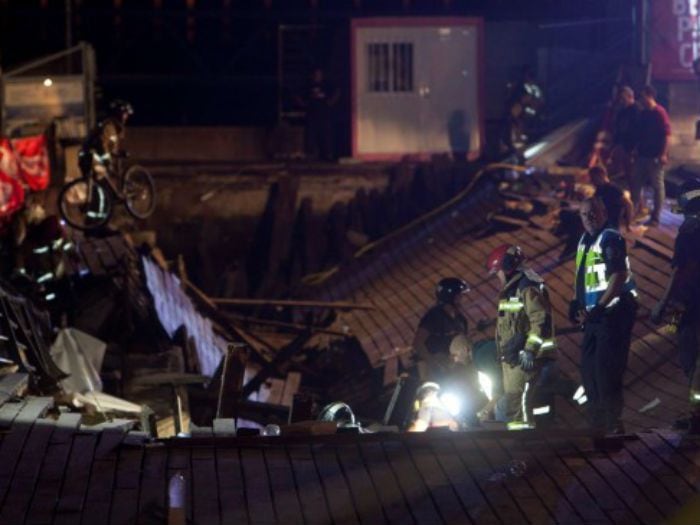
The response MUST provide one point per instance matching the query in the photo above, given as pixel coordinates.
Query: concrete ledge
(197, 143)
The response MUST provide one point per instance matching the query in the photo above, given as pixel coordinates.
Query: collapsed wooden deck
(399, 278)
(57, 471)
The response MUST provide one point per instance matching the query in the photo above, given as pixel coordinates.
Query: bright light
(451, 402)
(486, 385)
(579, 392)
(48, 82)
(540, 410)
(534, 150)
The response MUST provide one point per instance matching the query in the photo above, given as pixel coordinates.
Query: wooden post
(230, 389)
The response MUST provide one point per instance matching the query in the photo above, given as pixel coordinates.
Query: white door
(416, 87)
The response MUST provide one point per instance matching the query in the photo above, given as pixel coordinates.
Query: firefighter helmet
(449, 288)
(506, 257)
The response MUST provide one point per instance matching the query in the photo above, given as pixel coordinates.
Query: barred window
(390, 67)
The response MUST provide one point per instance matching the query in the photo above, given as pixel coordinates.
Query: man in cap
(605, 300)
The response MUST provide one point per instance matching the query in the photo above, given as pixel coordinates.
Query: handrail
(315, 279)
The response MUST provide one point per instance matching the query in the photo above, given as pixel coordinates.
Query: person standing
(524, 333)
(624, 135)
(618, 205)
(683, 292)
(652, 143)
(319, 100)
(605, 300)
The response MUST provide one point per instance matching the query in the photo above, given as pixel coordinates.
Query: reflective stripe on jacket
(525, 317)
(596, 279)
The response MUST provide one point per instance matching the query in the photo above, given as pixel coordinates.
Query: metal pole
(69, 23)
(69, 34)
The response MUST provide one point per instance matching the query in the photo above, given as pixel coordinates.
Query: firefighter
(437, 329)
(605, 300)
(524, 336)
(682, 294)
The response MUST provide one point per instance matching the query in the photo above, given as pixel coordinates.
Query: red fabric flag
(8, 161)
(11, 196)
(33, 161)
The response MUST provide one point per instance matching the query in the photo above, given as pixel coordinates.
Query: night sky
(215, 62)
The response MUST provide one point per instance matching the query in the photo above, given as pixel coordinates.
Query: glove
(573, 311)
(527, 360)
(657, 313)
(596, 314)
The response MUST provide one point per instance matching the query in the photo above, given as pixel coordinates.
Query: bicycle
(87, 203)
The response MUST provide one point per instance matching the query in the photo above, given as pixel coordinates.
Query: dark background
(214, 62)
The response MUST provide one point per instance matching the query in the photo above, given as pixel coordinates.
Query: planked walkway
(399, 278)
(56, 471)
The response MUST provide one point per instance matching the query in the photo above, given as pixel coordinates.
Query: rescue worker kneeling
(451, 397)
(524, 339)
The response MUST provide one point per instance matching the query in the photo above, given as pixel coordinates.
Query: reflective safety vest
(596, 279)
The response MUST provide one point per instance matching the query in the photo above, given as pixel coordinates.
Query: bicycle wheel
(139, 192)
(85, 204)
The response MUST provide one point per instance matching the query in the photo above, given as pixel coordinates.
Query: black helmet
(118, 107)
(449, 288)
(689, 198)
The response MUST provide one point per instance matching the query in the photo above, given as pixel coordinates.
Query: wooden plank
(231, 486)
(224, 427)
(522, 495)
(637, 507)
(127, 483)
(12, 445)
(286, 498)
(257, 486)
(26, 476)
(48, 486)
(463, 483)
(180, 462)
(685, 469)
(291, 386)
(313, 503)
(8, 413)
(100, 494)
(335, 487)
(71, 501)
(385, 483)
(205, 487)
(676, 487)
(655, 493)
(11, 384)
(544, 478)
(501, 503)
(606, 500)
(152, 504)
(413, 483)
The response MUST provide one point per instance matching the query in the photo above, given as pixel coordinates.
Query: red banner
(11, 196)
(26, 160)
(674, 39)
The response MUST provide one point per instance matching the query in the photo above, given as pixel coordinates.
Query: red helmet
(506, 257)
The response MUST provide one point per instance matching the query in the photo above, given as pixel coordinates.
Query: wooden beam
(282, 357)
(282, 324)
(338, 305)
